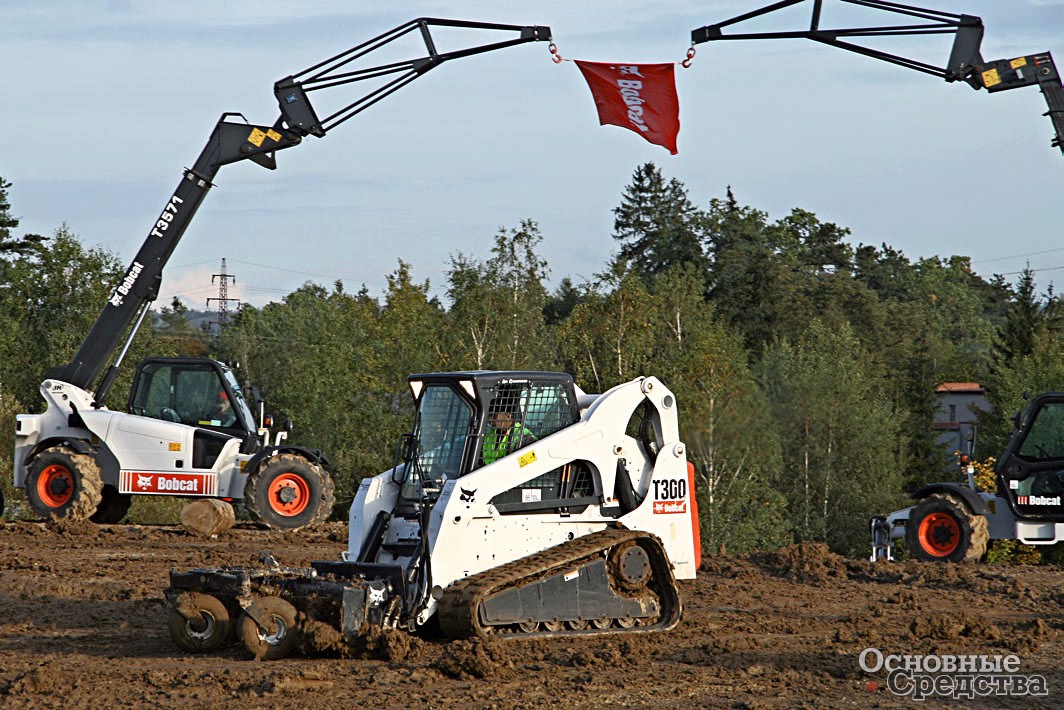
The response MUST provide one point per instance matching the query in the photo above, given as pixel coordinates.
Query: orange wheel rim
(289, 494)
(940, 534)
(55, 486)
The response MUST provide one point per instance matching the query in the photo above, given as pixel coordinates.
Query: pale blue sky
(108, 100)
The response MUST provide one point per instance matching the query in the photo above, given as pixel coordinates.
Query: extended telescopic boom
(965, 62)
(233, 141)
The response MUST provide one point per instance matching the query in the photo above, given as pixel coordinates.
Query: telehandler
(954, 522)
(78, 459)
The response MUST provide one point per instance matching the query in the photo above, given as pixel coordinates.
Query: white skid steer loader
(518, 506)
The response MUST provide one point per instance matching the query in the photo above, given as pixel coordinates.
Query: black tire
(113, 507)
(209, 632)
(63, 483)
(288, 493)
(328, 498)
(941, 528)
(277, 636)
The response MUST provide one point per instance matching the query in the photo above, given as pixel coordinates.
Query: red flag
(639, 97)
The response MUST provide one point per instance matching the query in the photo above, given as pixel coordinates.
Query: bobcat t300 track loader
(518, 506)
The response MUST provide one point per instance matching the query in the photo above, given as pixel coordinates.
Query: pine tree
(658, 226)
(10, 245)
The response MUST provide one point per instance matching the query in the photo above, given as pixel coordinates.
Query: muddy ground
(83, 625)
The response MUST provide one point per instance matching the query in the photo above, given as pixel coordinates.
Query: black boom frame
(965, 61)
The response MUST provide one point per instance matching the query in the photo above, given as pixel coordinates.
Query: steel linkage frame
(328, 74)
(965, 61)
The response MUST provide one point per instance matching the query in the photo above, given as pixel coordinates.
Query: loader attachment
(208, 606)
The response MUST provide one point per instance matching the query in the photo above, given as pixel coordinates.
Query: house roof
(959, 387)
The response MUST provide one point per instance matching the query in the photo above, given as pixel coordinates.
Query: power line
(223, 297)
(1033, 271)
(1017, 256)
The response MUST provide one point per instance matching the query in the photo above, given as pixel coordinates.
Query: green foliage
(837, 432)
(658, 225)
(155, 510)
(724, 418)
(610, 337)
(561, 303)
(8, 243)
(312, 357)
(1042, 370)
(1028, 319)
(175, 336)
(54, 291)
(1013, 552)
(14, 501)
(496, 317)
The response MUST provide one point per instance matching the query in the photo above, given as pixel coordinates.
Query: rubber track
(458, 607)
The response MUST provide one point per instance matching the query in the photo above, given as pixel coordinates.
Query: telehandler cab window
(1045, 435)
(187, 393)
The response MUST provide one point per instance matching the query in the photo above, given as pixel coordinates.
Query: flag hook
(686, 63)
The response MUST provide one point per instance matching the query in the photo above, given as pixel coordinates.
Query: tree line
(803, 361)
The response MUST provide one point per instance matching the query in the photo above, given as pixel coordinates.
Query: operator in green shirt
(506, 434)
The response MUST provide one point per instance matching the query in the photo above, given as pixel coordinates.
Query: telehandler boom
(79, 459)
(965, 63)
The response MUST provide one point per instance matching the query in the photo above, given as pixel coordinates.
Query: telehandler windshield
(1034, 464)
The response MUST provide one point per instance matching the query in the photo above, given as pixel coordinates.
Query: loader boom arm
(232, 141)
(965, 61)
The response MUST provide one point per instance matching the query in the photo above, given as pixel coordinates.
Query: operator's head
(500, 413)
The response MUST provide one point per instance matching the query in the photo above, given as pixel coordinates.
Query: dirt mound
(72, 528)
(806, 562)
(476, 658)
(387, 645)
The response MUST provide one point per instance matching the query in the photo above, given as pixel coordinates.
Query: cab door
(1031, 471)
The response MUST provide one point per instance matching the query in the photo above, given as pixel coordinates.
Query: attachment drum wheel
(204, 626)
(268, 628)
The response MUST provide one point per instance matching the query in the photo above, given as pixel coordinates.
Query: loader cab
(455, 413)
(199, 392)
(1031, 471)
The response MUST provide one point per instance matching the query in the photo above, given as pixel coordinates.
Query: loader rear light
(267, 421)
(696, 528)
